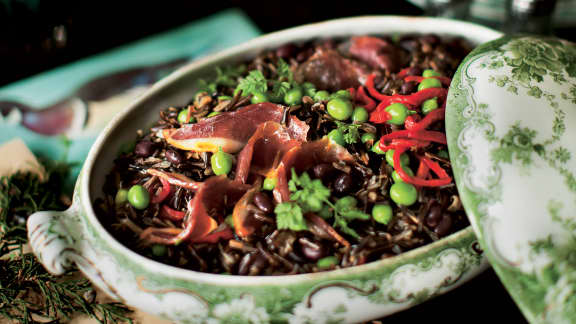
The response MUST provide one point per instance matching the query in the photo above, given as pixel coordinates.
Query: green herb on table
(28, 293)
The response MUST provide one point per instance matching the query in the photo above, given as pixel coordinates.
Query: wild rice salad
(310, 157)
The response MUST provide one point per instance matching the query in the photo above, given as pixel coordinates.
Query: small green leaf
(289, 216)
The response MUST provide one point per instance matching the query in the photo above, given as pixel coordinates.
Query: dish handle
(49, 235)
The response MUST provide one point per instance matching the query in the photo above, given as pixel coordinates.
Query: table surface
(93, 27)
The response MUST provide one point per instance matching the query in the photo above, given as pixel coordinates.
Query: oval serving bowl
(76, 237)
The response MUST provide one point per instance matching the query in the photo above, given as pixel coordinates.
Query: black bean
(414, 70)
(343, 184)
(286, 51)
(408, 88)
(173, 157)
(323, 171)
(263, 202)
(311, 250)
(144, 148)
(444, 226)
(434, 215)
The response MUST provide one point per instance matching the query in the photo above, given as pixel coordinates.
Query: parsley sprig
(277, 87)
(310, 195)
(225, 76)
(351, 132)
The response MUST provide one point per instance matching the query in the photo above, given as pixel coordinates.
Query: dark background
(28, 46)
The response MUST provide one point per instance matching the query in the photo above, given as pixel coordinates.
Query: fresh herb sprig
(28, 293)
(311, 195)
(277, 87)
(225, 76)
(351, 132)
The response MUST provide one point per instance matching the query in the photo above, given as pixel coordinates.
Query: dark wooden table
(29, 45)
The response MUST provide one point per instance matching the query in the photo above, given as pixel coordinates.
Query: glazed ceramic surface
(75, 237)
(511, 113)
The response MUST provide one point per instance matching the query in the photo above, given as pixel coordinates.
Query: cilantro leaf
(284, 72)
(289, 216)
(351, 132)
(252, 83)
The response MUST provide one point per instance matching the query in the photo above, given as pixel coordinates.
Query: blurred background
(39, 35)
(36, 35)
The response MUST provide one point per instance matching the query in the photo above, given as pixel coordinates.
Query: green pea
(259, 97)
(430, 73)
(183, 115)
(159, 250)
(337, 137)
(293, 97)
(340, 109)
(429, 83)
(327, 262)
(396, 176)
(322, 95)
(138, 197)
(404, 158)
(309, 89)
(403, 193)
(429, 105)
(221, 162)
(443, 154)
(382, 213)
(376, 148)
(398, 113)
(343, 94)
(347, 202)
(121, 197)
(360, 115)
(214, 113)
(368, 137)
(269, 183)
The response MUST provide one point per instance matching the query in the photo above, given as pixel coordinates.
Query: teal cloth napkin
(60, 113)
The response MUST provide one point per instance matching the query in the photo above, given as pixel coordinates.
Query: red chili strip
(423, 170)
(415, 78)
(435, 167)
(402, 142)
(164, 192)
(368, 102)
(432, 117)
(171, 214)
(413, 100)
(411, 121)
(403, 72)
(422, 135)
(442, 181)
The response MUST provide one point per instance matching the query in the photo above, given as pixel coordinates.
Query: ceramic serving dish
(76, 238)
(510, 116)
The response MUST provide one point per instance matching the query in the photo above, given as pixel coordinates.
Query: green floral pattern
(523, 127)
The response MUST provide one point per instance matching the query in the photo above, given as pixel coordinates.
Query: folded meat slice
(212, 198)
(376, 52)
(265, 149)
(230, 130)
(329, 70)
(303, 157)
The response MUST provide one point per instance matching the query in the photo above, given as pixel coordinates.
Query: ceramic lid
(510, 119)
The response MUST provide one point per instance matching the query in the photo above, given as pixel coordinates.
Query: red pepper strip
(423, 170)
(368, 102)
(435, 167)
(422, 135)
(164, 192)
(352, 92)
(413, 100)
(380, 115)
(402, 142)
(432, 117)
(371, 90)
(411, 121)
(442, 181)
(403, 72)
(171, 214)
(444, 80)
